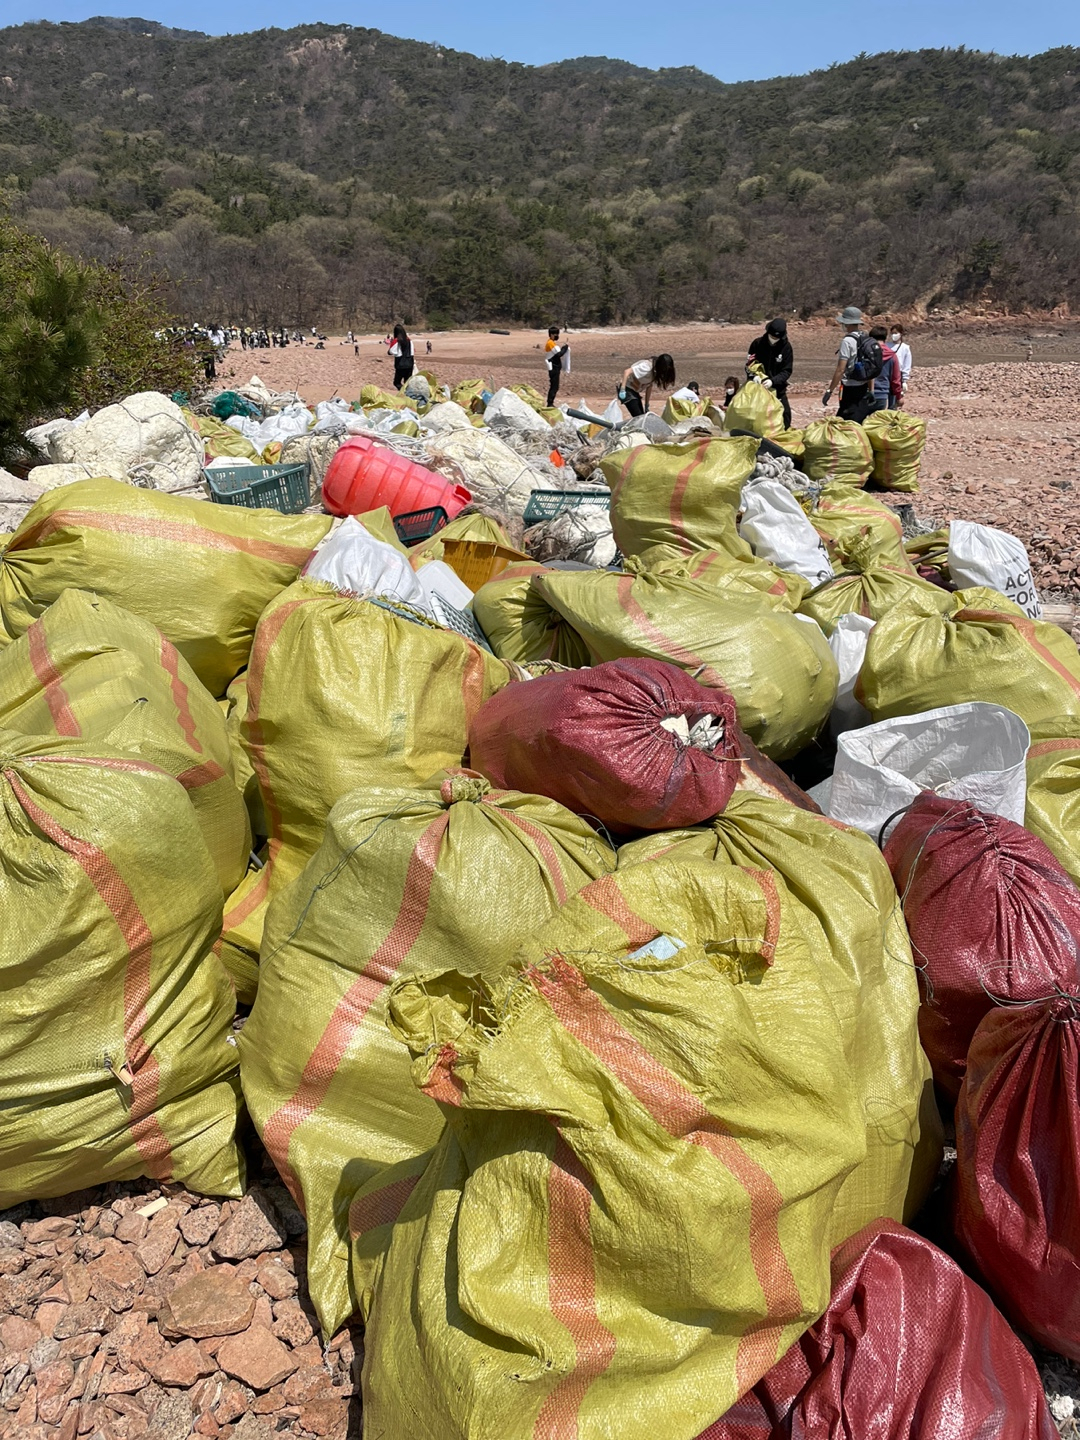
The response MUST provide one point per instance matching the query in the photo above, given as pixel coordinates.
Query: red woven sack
(909, 1349)
(1016, 1202)
(595, 741)
(992, 917)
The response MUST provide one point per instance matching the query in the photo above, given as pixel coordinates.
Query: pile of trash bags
(620, 915)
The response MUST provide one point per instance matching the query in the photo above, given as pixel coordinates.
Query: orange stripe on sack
(170, 659)
(572, 1293)
(349, 1012)
(1047, 747)
(150, 1140)
(472, 682)
(678, 493)
(767, 880)
(680, 1112)
(671, 648)
(607, 899)
(101, 762)
(145, 527)
(380, 1207)
(51, 681)
(442, 1084)
(1025, 628)
(257, 895)
(200, 775)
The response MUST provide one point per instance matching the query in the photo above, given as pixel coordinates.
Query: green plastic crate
(546, 504)
(261, 487)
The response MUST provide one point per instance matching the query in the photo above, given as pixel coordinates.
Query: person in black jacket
(772, 351)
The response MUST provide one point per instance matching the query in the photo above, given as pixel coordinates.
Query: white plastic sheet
(353, 560)
(777, 530)
(981, 555)
(970, 752)
(848, 645)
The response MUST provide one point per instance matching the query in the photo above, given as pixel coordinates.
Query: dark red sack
(1016, 1202)
(909, 1349)
(593, 740)
(992, 916)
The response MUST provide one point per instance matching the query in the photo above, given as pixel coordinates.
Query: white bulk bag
(354, 561)
(775, 527)
(981, 555)
(848, 645)
(970, 752)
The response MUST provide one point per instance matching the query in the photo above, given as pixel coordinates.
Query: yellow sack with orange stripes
(867, 586)
(1053, 788)
(115, 1053)
(835, 449)
(90, 671)
(680, 495)
(897, 440)
(779, 668)
(202, 573)
(344, 693)
(755, 408)
(518, 623)
(983, 647)
(839, 877)
(627, 1219)
(745, 574)
(448, 872)
(850, 521)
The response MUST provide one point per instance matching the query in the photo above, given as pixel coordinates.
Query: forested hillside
(327, 173)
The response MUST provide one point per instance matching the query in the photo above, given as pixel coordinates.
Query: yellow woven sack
(469, 394)
(626, 1221)
(374, 397)
(405, 880)
(866, 586)
(837, 449)
(864, 958)
(756, 409)
(380, 523)
(221, 439)
(745, 574)
(1053, 788)
(779, 668)
(115, 1053)
(90, 671)
(685, 496)
(792, 441)
(676, 410)
(897, 440)
(532, 398)
(203, 574)
(520, 625)
(848, 519)
(344, 693)
(983, 647)
(464, 527)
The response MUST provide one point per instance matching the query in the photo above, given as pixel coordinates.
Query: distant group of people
(873, 369)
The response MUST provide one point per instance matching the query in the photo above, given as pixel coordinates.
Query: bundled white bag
(775, 527)
(848, 645)
(970, 752)
(981, 555)
(353, 560)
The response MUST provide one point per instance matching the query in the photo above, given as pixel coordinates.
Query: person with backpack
(859, 362)
(772, 351)
(888, 387)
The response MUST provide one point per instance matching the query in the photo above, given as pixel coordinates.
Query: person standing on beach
(638, 381)
(554, 358)
(855, 368)
(401, 353)
(903, 359)
(772, 351)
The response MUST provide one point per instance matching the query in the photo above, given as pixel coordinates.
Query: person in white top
(638, 381)
(903, 353)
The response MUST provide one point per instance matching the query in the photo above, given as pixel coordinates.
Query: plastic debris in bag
(356, 563)
(776, 528)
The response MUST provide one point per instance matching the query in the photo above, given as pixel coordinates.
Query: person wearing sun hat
(854, 387)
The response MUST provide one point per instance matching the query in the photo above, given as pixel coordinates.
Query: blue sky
(734, 41)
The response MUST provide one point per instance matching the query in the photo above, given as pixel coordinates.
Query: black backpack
(868, 362)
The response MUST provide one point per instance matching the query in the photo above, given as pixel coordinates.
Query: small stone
(18, 1334)
(12, 1260)
(116, 1279)
(213, 1303)
(76, 1282)
(132, 1228)
(126, 1382)
(232, 1404)
(181, 1364)
(256, 1358)
(171, 1419)
(158, 1246)
(264, 1314)
(278, 1283)
(251, 1427)
(199, 1226)
(106, 1225)
(49, 1315)
(326, 1418)
(268, 1403)
(207, 1425)
(53, 1227)
(291, 1324)
(309, 1383)
(91, 1315)
(43, 1352)
(11, 1237)
(253, 1228)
